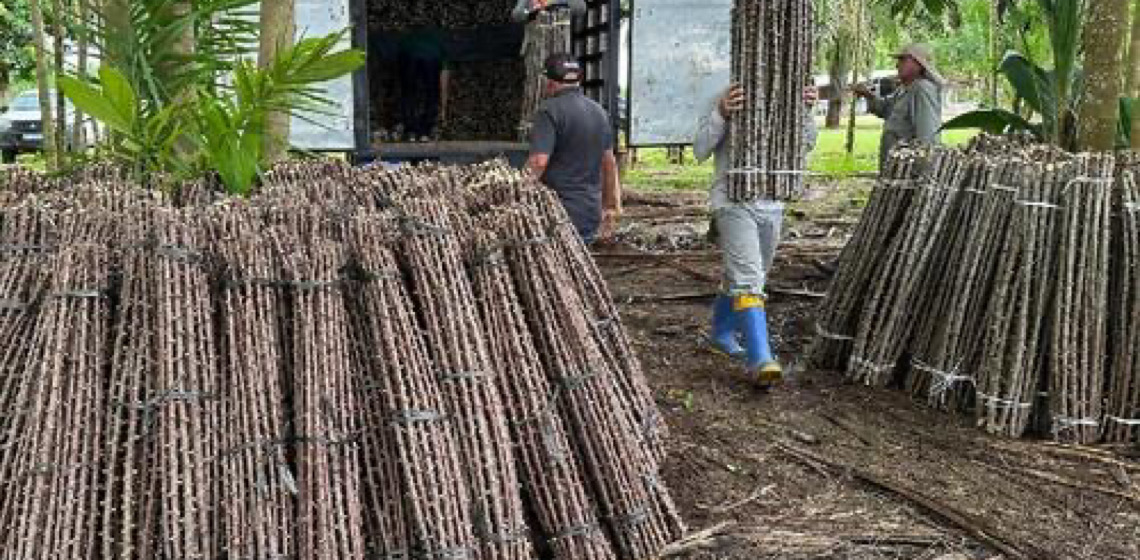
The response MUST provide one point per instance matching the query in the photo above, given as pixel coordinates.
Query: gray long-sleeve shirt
(713, 140)
(913, 112)
(522, 8)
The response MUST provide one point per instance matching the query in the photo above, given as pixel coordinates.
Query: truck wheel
(8, 156)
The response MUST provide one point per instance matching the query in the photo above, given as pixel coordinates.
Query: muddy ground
(819, 468)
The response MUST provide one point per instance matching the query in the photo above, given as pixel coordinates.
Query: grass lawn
(830, 158)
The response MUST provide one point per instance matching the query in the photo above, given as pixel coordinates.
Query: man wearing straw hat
(914, 111)
(748, 234)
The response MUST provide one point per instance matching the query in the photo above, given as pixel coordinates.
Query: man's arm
(543, 139)
(927, 111)
(521, 12)
(710, 133)
(537, 164)
(444, 90)
(611, 195)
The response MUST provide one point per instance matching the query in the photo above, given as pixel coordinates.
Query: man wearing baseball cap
(914, 111)
(571, 150)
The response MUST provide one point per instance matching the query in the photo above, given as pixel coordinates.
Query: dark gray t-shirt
(575, 132)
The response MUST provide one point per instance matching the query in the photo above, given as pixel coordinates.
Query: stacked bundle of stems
(52, 448)
(550, 469)
(1013, 357)
(458, 348)
(349, 364)
(838, 316)
(1122, 416)
(639, 514)
(771, 60)
(546, 34)
(944, 365)
(1080, 309)
(888, 319)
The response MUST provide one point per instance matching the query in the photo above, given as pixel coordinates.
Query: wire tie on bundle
(572, 382)
(576, 531)
(605, 322)
(311, 285)
(81, 294)
(823, 333)
(762, 171)
(944, 381)
(863, 363)
(1087, 180)
(1000, 403)
(416, 416)
(30, 247)
(974, 191)
(1132, 207)
(1004, 188)
(490, 257)
(901, 184)
(1037, 204)
(14, 305)
(183, 254)
(463, 376)
(416, 227)
(1069, 423)
(638, 516)
(456, 553)
(1130, 422)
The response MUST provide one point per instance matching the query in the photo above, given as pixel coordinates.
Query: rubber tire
(8, 156)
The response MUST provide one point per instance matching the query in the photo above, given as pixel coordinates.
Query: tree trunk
(42, 69)
(82, 16)
(1133, 73)
(117, 23)
(994, 54)
(837, 71)
(834, 118)
(1105, 26)
(277, 30)
(58, 30)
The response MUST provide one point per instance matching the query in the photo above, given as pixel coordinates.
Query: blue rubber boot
(753, 320)
(723, 337)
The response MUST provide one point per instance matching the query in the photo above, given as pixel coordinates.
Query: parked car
(22, 128)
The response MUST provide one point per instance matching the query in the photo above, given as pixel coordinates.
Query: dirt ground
(822, 469)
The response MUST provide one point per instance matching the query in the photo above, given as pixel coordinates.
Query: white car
(22, 128)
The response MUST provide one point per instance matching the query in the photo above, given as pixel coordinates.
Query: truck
(664, 67)
(483, 49)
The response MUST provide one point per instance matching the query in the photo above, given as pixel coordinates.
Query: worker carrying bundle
(529, 9)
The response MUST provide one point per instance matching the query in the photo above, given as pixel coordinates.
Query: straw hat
(924, 55)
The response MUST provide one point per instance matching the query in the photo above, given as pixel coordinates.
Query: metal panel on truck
(336, 130)
(680, 58)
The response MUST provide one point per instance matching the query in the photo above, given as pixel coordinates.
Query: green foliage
(1128, 107)
(181, 112)
(17, 58)
(1051, 95)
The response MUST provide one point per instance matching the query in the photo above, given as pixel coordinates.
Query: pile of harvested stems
(982, 280)
(419, 363)
(548, 33)
(771, 50)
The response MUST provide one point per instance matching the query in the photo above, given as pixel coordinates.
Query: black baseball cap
(563, 68)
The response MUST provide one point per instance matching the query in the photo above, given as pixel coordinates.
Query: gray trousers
(748, 235)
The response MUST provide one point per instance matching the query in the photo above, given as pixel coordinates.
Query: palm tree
(843, 47)
(277, 30)
(1105, 27)
(42, 72)
(1133, 75)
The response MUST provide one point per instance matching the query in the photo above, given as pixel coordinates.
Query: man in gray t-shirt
(571, 151)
